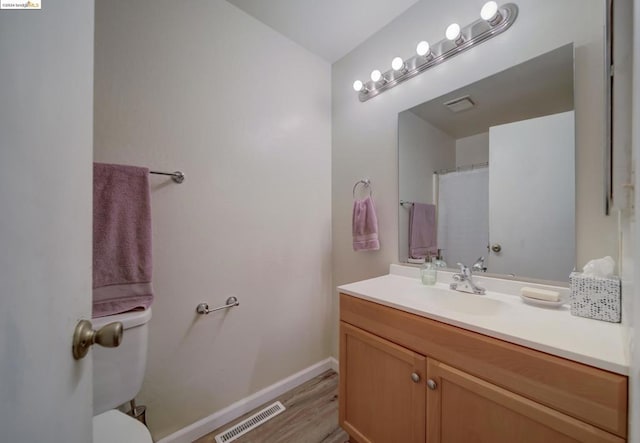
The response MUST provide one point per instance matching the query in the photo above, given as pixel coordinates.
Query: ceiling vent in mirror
(460, 104)
(493, 21)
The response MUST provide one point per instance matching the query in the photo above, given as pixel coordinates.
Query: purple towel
(365, 226)
(422, 230)
(121, 239)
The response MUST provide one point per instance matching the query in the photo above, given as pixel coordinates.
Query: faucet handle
(463, 269)
(479, 265)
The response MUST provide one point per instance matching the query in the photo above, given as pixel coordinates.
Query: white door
(532, 197)
(46, 113)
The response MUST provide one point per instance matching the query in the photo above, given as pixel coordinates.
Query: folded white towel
(540, 294)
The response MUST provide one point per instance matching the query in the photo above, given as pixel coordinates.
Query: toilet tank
(118, 372)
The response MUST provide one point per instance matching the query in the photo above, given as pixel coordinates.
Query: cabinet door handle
(432, 385)
(415, 377)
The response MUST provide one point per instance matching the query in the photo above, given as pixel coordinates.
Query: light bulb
(357, 86)
(397, 63)
(453, 32)
(423, 48)
(489, 11)
(376, 75)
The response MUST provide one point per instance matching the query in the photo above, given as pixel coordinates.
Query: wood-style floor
(311, 416)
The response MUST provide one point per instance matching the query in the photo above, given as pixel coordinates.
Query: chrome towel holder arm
(367, 184)
(203, 308)
(177, 176)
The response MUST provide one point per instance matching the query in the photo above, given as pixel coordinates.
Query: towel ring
(367, 183)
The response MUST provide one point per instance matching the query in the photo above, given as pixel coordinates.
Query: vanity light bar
(494, 20)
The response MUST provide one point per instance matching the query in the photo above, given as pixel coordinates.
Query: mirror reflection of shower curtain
(463, 215)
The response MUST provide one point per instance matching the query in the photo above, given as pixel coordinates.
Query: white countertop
(501, 314)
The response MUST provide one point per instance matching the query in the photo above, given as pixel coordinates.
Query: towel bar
(203, 308)
(177, 176)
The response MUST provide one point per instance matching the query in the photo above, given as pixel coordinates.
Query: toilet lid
(115, 426)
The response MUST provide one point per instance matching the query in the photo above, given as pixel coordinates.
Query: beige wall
(631, 275)
(424, 149)
(628, 105)
(245, 113)
(472, 150)
(365, 134)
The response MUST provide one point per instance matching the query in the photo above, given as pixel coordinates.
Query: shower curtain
(463, 215)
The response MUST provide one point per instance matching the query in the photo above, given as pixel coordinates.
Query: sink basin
(464, 303)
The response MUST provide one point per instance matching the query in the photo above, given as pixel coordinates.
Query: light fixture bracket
(473, 34)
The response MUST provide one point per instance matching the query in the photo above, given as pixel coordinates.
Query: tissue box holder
(595, 297)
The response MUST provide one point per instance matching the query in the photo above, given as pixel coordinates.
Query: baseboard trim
(217, 419)
(334, 364)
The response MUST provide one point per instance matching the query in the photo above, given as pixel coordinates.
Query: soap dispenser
(439, 262)
(428, 272)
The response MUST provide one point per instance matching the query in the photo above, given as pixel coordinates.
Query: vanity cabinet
(405, 378)
(383, 398)
(464, 408)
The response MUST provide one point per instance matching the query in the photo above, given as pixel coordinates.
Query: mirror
(489, 170)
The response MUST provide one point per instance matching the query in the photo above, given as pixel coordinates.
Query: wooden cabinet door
(382, 390)
(463, 408)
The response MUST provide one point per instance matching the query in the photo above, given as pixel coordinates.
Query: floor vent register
(250, 423)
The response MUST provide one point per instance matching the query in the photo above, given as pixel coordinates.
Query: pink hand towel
(422, 230)
(121, 239)
(365, 226)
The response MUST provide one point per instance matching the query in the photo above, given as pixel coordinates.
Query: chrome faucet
(479, 266)
(463, 281)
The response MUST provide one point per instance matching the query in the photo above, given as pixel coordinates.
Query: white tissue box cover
(595, 297)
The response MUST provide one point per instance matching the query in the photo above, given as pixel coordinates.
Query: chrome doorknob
(415, 377)
(432, 385)
(109, 336)
(496, 247)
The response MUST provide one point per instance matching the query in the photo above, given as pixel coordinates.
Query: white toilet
(117, 379)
